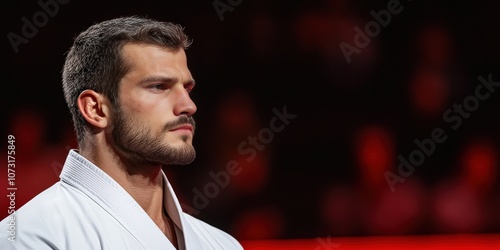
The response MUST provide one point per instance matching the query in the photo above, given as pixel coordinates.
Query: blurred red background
(324, 174)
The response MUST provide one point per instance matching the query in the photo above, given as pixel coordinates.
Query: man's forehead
(139, 55)
(145, 49)
(144, 60)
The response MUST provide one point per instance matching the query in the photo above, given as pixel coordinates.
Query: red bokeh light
(374, 146)
(429, 92)
(479, 164)
(262, 223)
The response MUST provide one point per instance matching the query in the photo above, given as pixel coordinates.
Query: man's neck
(143, 183)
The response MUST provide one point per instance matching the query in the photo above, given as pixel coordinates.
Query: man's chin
(177, 162)
(182, 155)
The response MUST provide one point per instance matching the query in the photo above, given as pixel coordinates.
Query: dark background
(324, 173)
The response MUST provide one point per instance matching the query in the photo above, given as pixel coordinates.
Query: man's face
(153, 119)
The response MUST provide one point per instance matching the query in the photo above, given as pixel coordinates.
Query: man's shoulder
(212, 234)
(35, 218)
(56, 205)
(42, 204)
(62, 216)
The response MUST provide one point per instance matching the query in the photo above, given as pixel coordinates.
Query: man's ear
(94, 107)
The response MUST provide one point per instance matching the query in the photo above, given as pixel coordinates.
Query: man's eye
(157, 86)
(189, 87)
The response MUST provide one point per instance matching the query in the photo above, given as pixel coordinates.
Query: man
(127, 86)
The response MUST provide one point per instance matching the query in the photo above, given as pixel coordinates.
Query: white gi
(88, 210)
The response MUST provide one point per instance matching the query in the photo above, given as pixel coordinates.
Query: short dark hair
(95, 62)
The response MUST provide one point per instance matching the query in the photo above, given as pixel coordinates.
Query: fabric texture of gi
(89, 210)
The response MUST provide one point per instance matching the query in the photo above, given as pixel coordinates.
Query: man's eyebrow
(163, 79)
(155, 78)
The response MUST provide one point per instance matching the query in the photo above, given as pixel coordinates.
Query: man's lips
(187, 127)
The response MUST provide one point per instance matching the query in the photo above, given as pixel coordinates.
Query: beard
(144, 146)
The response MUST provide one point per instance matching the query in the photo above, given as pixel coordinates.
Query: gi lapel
(191, 239)
(107, 193)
